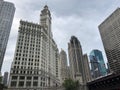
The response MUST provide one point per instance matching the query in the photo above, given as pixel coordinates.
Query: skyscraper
(64, 66)
(97, 64)
(110, 34)
(76, 57)
(57, 64)
(5, 78)
(36, 60)
(95, 70)
(87, 73)
(79, 65)
(7, 11)
(68, 72)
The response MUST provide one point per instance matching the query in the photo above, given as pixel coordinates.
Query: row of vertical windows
(30, 66)
(23, 77)
(26, 72)
(28, 83)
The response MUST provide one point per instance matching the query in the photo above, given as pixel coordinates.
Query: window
(13, 83)
(29, 78)
(28, 83)
(15, 62)
(22, 77)
(13, 71)
(24, 72)
(35, 83)
(41, 84)
(35, 78)
(21, 83)
(14, 77)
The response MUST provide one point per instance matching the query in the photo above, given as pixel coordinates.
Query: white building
(36, 60)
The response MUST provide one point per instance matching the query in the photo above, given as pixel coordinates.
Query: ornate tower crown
(45, 19)
(45, 11)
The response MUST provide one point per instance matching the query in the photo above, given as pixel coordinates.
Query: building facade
(76, 57)
(95, 70)
(36, 60)
(97, 64)
(79, 64)
(68, 72)
(64, 66)
(110, 33)
(5, 78)
(108, 68)
(7, 11)
(86, 68)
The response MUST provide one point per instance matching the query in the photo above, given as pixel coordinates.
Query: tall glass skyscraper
(98, 67)
(7, 11)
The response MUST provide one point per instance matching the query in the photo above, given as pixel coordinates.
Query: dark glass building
(98, 67)
(95, 70)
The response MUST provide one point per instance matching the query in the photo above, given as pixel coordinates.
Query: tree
(69, 84)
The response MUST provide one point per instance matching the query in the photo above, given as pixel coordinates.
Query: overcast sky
(69, 17)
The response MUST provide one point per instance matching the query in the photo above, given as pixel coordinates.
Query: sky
(80, 18)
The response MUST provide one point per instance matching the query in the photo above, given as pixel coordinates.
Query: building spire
(45, 19)
(46, 11)
(46, 7)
